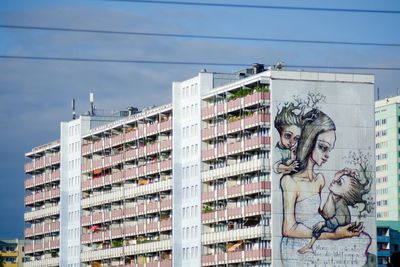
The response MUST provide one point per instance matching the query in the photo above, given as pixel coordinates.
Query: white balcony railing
(127, 192)
(45, 263)
(237, 234)
(94, 255)
(32, 215)
(235, 169)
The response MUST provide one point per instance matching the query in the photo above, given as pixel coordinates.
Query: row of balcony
(235, 191)
(236, 169)
(126, 193)
(128, 212)
(236, 234)
(236, 147)
(49, 262)
(127, 231)
(218, 109)
(236, 257)
(163, 263)
(42, 196)
(42, 179)
(96, 255)
(42, 246)
(131, 154)
(127, 137)
(131, 192)
(236, 212)
(42, 162)
(41, 213)
(134, 172)
(235, 126)
(43, 228)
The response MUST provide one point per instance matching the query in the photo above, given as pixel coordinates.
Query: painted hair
(356, 192)
(315, 122)
(287, 117)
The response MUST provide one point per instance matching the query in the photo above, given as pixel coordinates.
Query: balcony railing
(236, 190)
(94, 255)
(236, 257)
(130, 192)
(236, 212)
(46, 212)
(236, 169)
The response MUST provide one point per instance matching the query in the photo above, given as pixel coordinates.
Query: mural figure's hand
(318, 226)
(348, 231)
(293, 166)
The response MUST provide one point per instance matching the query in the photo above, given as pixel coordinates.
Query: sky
(36, 95)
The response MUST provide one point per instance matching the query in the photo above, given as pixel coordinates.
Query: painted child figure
(288, 124)
(345, 190)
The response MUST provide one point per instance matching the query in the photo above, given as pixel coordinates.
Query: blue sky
(35, 95)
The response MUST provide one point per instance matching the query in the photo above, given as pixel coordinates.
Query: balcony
(116, 159)
(94, 255)
(236, 257)
(166, 125)
(117, 139)
(256, 119)
(256, 98)
(152, 129)
(234, 104)
(29, 167)
(46, 212)
(234, 126)
(166, 165)
(98, 145)
(86, 149)
(131, 135)
(236, 212)
(235, 169)
(166, 145)
(141, 132)
(50, 262)
(208, 154)
(208, 133)
(207, 112)
(236, 190)
(152, 148)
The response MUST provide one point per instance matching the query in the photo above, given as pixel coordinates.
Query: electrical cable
(198, 36)
(167, 62)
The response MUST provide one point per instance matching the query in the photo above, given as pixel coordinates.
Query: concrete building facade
(387, 132)
(184, 184)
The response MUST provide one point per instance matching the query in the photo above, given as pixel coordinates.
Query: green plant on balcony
(207, 209)
(232, 118)
(262, 88)
(54, 254)
(242, 92)
(116, 243)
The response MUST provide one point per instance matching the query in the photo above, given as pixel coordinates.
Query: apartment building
(387, 131)
(388, 234)
(191, 183)
(11, 252)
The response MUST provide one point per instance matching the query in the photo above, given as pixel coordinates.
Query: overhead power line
(167, 62)
(197, 36)
(293, 8)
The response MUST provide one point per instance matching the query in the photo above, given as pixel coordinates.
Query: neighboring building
(387, 133)
(12, 252)
(188, 183)
(388, 237)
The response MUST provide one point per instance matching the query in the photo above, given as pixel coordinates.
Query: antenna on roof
(92, 107)
(73, 109)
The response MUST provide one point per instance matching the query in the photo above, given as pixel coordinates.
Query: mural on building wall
(324, 210)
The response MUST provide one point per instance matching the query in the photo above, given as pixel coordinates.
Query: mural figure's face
(341, 186)
(289, 136)
(325, 143)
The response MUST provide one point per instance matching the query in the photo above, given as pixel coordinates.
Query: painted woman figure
(301, 195)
